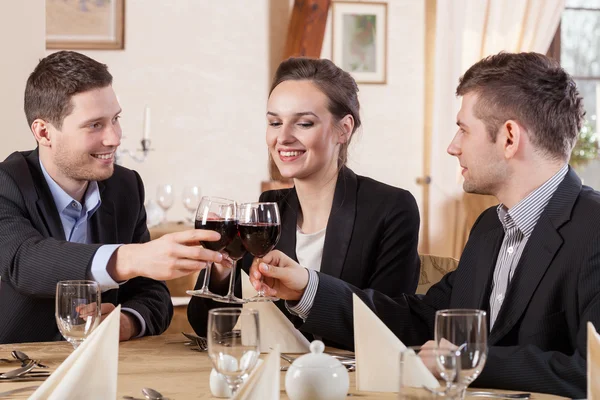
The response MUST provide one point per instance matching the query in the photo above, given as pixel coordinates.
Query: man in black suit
(533, 262)
(68, 213)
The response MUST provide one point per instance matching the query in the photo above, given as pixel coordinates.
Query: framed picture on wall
(359, 42)
(85, 24)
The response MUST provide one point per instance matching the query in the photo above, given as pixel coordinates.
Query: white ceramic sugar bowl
(317, 376)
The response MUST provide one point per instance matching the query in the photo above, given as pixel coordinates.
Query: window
(577, 47)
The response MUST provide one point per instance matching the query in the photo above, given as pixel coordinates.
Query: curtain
(467, 31)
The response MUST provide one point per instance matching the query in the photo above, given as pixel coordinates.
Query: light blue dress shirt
(74, 217)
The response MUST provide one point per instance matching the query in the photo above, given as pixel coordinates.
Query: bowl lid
(316, 358)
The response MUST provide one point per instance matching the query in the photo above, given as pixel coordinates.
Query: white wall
(390, 146)
(22, 26)
(204, 68)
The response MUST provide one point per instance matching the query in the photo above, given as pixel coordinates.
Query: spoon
(19, 371)
(24, 358)
(152, 394)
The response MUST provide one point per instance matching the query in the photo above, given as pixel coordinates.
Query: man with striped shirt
(533, 262)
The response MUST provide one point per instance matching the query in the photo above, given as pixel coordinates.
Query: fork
(500, 395)
(199, 341)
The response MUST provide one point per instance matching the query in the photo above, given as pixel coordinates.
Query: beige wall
(22, 28)
(204, 69)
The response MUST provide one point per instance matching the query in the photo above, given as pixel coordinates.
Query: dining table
(165, 363)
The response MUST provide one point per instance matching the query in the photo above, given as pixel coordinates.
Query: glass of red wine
(220, 215)
(236, 251)
(259, 228)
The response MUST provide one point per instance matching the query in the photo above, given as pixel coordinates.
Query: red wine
(259, 239)
(236, 249)
(227, 229)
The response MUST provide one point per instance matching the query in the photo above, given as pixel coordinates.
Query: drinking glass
(444, 364)
(219, 215)
(191, 198)
(233, 343)
(464, 331)
(236, 251)
(259, 228)
(165, 198)
(78, 309)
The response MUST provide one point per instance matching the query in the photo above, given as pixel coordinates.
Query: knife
(19, 390)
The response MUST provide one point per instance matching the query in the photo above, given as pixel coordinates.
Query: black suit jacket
(370, 242)
(538, 342)
(34, 255)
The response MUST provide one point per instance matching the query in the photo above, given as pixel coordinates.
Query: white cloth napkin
(90, 372)
(593, 363)
(378, 351)
(263, 382)
(275, 328)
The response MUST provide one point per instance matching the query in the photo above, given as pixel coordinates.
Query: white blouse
(309, 248)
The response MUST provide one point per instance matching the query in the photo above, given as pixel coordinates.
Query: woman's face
(301, 133)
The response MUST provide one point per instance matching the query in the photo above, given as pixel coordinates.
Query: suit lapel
(340, 224)
(104, 221)
(287, 241)
(39, 192)
(542, 246)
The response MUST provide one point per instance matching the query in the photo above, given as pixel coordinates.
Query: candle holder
(145, 143)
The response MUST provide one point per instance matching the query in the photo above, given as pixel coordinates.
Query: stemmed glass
(464, 331)
(233, 343)
(191, 198)
(78, 309)
(236, 251)
(443, 363)
(220, 215)
(259, 228)
(165, 198)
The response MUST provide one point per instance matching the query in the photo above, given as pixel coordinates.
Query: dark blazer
(34, 255)
(538, 342)
(370, 242)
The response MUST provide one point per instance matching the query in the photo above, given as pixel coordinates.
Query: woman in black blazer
(345, 225)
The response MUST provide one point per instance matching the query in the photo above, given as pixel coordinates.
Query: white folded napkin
(263, 382)
(275, 328)
(378, 351)
(593, 363)
(90, 372)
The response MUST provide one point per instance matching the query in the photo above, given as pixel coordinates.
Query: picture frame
(359, 39)
(85, 24)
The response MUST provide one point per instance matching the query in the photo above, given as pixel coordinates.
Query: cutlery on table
(500, 395)
(199, 341)
(24, 358)
(19, 371)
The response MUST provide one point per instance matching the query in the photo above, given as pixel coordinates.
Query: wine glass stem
(232, 280)
(234, 385)
(206, 276)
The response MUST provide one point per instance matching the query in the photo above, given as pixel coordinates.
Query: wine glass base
(207, 294)
(261, 299)
(231, 300)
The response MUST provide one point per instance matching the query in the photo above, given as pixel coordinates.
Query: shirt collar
(526, 213)
(62, 199)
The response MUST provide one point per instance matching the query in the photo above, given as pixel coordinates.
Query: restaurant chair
(433, 268)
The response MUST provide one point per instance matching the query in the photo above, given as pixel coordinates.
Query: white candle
(147, 123)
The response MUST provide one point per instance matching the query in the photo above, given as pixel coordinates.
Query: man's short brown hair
(531, 89)
(56, 79)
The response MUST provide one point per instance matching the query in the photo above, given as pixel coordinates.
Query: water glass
(78, 309)
(165, 198)
(465, 331)
(233, 343)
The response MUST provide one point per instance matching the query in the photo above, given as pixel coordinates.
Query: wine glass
(443, 363)
(165, 198)
(236, 251)
(466, 332)
(259, 228)
(233, 343)
(191, 198)
(219, 215)
(78, 309)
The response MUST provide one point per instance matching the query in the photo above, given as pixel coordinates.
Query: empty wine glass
(78, 309)
(233, 343)
(466, 332)
(191, 198)
(165, 198)
(219, 215)
(259, 228)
